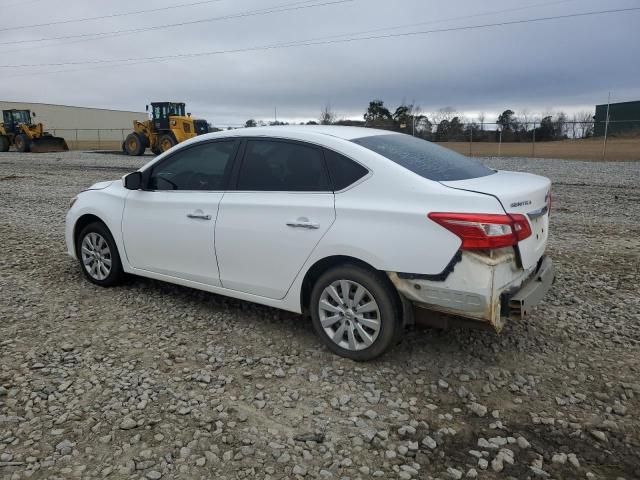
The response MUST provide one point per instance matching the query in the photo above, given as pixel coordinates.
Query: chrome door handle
(200, 216)
(307, 225)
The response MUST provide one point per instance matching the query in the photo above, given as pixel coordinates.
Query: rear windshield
(424, 158)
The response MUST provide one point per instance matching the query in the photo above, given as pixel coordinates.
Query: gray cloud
(567, 64)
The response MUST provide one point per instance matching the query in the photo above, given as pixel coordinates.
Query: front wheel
(22, 143)
(355, 312)
(98, 255)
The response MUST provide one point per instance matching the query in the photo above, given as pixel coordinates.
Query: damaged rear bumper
(481, 288)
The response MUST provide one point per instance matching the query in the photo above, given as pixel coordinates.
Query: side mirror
(33, 114)
(133, 181)
(146, 107)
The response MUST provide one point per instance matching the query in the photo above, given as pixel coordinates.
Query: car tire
(22, 143)
(98, 255)
(358, 307)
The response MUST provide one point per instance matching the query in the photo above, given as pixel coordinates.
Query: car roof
(338, 131)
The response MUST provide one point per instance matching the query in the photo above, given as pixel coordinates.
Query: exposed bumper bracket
(532, 291)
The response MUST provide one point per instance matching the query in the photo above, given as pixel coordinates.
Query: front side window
(202, 167)
(424, 158)
(270, 165)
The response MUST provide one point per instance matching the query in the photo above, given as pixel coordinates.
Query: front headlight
(72, 201)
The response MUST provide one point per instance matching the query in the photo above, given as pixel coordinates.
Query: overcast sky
(565, 64)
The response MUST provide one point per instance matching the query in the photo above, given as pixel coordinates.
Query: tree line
(447, 124)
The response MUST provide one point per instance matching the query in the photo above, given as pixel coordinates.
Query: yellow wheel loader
(17, 129)
(168, 126)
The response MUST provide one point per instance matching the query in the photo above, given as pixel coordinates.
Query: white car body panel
(258, 252)
(152, 247)
(248, 252)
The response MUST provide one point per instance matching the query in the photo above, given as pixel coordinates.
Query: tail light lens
(484, 231)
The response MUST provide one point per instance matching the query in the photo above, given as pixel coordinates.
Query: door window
(271, 165)
(202, 167)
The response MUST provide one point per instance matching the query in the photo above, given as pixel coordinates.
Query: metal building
(623, 118)
(81, 124)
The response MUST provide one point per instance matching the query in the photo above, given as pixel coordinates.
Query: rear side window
(342, 170)
(424, 158)
(282, 166)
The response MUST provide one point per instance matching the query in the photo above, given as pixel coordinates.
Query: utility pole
(606, 128)
(275, 114)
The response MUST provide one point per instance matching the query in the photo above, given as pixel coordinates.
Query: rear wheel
(134, 144)
(98, 255)
(355, 312)
(22, 143)
(4, 143)
(166, 141)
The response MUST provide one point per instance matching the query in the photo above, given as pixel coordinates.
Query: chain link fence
(587, 140)
(614, 140)
(92, 138)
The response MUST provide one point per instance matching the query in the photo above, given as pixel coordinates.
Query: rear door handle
(199, 216)
(307, 225)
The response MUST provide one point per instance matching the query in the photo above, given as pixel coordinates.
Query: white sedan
(363, 229)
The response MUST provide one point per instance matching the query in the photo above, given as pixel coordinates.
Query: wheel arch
(82, 222)
(324, 264)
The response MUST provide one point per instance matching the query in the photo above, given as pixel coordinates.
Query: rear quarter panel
(383, 219)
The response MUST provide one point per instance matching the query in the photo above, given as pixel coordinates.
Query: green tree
(250, 123)
(377, 111)
(507, 120)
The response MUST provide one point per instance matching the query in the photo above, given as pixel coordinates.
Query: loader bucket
(48, 144)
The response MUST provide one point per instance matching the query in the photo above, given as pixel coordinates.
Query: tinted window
(424, 158)
(282, 166)
(342, 170)
(201, 167)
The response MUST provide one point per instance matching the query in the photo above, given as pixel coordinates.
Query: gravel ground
(150, 380)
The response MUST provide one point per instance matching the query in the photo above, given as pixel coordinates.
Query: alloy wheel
(96, 256)
(349, 315)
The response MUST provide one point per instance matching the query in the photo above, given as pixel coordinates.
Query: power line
(298, 5)
(21, 4)
(102, 17)
(301, 43)
(441, 20)
(430, 22)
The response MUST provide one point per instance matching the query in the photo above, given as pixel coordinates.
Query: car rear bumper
(487, 289)
(532, 291)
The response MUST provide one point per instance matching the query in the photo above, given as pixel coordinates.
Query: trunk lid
(521, 193)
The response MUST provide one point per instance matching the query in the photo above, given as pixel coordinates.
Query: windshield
(424, 158)
(176, 109)
(21, 116)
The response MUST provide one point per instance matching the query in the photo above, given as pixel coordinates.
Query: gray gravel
(152, 381)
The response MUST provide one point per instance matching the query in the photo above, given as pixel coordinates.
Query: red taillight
(484, 231)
